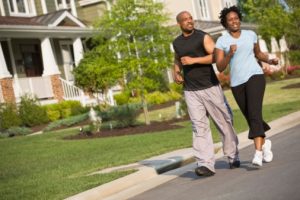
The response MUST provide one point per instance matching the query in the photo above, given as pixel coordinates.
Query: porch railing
(39, 86)
(71, 92)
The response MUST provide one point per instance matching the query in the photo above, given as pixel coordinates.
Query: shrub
(176, 88)
(125, 115)
(122, 98)
(16, 131)
(31, 113)
(294, 57)
(53, 115)
(67, 122)
(64, 109)
(158, 97)
(9, 116)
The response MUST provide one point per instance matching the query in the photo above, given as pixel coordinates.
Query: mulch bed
(141, 129)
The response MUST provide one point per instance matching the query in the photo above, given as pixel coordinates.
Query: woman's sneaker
(267, 153)
(258, 157)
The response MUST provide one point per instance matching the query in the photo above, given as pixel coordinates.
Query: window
(62, 4)
(228, 3)
(203, 10)
(21, 7)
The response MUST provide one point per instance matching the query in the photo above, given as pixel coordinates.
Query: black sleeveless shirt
(196, 76)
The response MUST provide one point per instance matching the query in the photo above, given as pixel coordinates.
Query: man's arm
(209, 46)
(177, 76)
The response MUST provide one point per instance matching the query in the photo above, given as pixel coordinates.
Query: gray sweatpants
(202, 104)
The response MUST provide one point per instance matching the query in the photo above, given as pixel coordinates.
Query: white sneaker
(267, 153)
(258, 157)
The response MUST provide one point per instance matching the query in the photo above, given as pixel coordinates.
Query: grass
(48, 167)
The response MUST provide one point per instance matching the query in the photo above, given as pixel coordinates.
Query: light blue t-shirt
(243, 64)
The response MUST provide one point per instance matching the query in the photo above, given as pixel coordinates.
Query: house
(41, 41)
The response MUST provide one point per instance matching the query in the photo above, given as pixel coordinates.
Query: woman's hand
(232, 50)
(273, 61)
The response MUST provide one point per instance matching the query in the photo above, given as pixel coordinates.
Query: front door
(67, 59)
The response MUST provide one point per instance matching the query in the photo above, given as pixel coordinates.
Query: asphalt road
(278, 180)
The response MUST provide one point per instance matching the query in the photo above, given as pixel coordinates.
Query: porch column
(4, 73)
(50, 66)
(44, 6)
(17, 87)
(78, 50)
(6, 82)
(73, 8)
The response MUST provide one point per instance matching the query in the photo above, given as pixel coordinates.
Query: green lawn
(48, 167)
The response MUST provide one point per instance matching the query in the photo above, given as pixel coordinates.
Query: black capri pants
(249, 97)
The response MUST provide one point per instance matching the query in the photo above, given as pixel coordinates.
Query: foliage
(122, 98)
(176, 88)
(270, 16)
(9, 116)
(274, 18)
(294, 57)
(31, 113)
(64, 109)
(293, 27)
(98, 70)
(16, 131)
(67, 122)
(125, 114)
(131, 43)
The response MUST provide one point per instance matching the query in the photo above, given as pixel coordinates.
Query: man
(203, 95)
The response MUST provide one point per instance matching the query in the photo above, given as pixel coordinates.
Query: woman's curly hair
(225, 11)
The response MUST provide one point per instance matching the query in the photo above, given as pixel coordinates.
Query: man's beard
(188, 31)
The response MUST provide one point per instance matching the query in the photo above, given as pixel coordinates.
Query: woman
(240, 49)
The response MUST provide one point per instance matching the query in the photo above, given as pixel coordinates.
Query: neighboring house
(41, 41)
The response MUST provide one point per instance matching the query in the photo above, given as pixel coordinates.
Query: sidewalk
(163, 168)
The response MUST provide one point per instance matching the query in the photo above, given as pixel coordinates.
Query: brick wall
(6, 85)
(57, 87)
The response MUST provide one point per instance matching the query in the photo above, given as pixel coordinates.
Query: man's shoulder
(178, 38)
(200, 32)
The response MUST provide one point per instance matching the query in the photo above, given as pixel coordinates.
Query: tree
(269, 15)
(133, 42)
(274, 18)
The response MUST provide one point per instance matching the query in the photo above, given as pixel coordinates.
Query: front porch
(38, 54)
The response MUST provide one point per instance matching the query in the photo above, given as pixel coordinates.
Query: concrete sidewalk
(163, 168)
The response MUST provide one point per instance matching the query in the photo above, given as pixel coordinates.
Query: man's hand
(186, 60)
(178, 78)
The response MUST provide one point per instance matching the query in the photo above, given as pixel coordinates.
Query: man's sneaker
(258, 157)
(234, 164)
(204, 171)
(267, 153)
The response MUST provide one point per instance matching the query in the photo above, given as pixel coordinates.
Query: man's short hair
(178, 16)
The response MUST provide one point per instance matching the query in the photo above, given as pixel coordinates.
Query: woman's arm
(264, 57)
(223, 60)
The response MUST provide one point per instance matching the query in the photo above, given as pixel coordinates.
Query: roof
(59, 23)
(41, 20)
